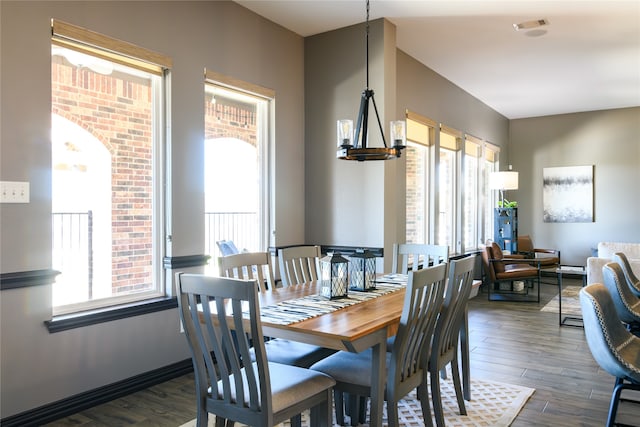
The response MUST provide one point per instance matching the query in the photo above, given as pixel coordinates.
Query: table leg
(464, 350)
(378, 379)
(567, 319)
(560, 299)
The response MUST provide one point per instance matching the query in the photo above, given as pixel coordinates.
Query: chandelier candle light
(352, 147)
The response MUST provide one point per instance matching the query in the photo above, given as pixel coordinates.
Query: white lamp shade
(503, 180)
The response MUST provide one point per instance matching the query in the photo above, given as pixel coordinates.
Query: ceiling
(587, 59)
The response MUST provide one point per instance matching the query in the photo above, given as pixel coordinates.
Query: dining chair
(299, 264)
(613, 347)
(625, 301)
(412, 256)
(259, 393)
(407, 362)
(257, 266)
(625, 265)
(446, 337)
(248, 266)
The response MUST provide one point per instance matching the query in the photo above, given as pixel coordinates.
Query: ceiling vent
(527, 25)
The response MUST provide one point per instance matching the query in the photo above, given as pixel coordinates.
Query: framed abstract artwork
(567, 194)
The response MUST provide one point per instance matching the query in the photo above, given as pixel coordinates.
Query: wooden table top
(339, 329)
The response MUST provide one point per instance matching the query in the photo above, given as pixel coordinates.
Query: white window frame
(133, 57)
(471, 181)
(265, 104)
(491, 156)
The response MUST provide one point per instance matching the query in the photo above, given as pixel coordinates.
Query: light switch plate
(14, 192)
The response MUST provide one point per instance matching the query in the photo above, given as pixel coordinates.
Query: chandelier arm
(363, 118)
(375, 108)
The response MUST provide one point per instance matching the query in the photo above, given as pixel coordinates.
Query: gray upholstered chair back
(612, 346)
(625, 301)
(632, 279)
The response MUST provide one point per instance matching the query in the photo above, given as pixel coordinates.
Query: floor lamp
(503, 181)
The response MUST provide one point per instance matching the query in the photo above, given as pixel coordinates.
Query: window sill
(87, 318)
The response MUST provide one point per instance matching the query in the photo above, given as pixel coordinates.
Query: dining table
(363, 320)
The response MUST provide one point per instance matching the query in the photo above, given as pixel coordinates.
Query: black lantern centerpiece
(362, 270)
(334, 276)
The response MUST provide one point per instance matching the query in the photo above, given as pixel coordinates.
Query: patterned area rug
(492, 404)
(570, 302)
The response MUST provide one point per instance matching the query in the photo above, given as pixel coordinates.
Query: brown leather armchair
(499, 269)
(548, 258)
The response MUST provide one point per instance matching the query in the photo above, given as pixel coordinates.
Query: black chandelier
(352, 147)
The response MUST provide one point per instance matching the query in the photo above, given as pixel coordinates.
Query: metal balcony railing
(240, 227)
(72, 251)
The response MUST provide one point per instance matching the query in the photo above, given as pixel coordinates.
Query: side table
(574, 270)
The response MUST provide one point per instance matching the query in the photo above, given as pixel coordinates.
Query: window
(419, 154)
(471, 203)
(491, 164)
(108, 122)
(447, 197)
(237, 117)
(448, 172)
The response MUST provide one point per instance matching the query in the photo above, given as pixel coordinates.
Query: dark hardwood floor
(511, 342)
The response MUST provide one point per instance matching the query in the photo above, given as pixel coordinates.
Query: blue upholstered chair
(632, 279)
(626, 303)
(615, 349)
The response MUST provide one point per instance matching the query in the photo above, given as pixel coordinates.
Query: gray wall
(425, 92)
(610, 140)
(353, 203)
(38, 367)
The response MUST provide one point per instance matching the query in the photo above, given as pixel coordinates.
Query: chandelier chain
(367, 38)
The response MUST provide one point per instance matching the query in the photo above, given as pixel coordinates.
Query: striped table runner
(297, 310)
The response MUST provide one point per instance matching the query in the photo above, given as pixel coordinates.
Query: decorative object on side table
(362, 270)
(334, 276)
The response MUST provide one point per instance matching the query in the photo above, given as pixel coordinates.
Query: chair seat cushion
(290, 384)
(350, 368)
(517, 271)
(295, 353)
